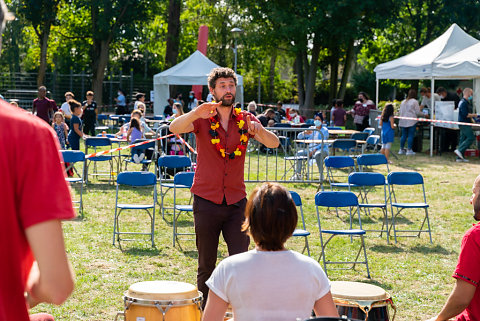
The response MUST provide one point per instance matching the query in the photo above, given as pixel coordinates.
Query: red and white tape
(186, 144)
(435, 121)
(127, 147)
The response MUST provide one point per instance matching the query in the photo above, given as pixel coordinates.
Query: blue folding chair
(347, 146)
(139, 154)
(135, 180)
(170, 165)
(350, 201)
(72, 157)
(372, 143)
(300, 232)
(181, 180)
(96, 143)
(335, 164)
(369, 130)
(408, 180)
(334, 128)
(367, 182)
(366, 160)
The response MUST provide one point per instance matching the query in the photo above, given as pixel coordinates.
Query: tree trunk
(271, 75)
(173, 35)
(347, 68)
(334, 73)
(43, 40)
(300, 79)
(99, 63)
(308, 107)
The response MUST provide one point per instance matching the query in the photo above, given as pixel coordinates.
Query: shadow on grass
(386, 249)
(137, 251)
(437, 249)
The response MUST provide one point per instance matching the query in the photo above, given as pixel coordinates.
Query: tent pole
(432, 115)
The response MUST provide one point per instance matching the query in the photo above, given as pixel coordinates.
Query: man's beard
(226, 102)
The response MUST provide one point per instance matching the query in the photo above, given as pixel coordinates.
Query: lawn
(416, 273)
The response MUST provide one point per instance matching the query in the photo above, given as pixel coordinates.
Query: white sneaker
(401, 151)
(457, 152)
(410, 152)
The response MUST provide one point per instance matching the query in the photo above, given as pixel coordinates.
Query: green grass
(416, 273)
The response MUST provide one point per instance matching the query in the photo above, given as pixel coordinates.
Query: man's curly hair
(220, 72)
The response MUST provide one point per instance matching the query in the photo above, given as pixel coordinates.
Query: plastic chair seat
(410, 205)
(184, 208)
(143, 161)
(345, 232)
(134, 206)
(100, 158)
(299, 232)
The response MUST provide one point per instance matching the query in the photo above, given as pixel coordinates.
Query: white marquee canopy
(191, 71)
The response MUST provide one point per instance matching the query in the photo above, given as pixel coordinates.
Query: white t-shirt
(269, 285)
(66, 109)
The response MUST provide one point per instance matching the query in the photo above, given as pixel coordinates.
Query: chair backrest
(137, 179)
(405, 178)
(158, 117)
(336, 199)
(98, 141)
(309, 121)
(296, 198)
(372, 139)
(334, 128)
(73, 156)
(366, 179)
(344, 144)
(339, 161)
(184, 178)
(141, 148)
(369, 130)
(174, 161)
(371, 159)
(359, 136)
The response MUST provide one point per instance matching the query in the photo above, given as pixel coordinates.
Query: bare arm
(184, 123)
(325, 306)
(215, 308)
(77, 130)
(392, 122)
(262, 135)
(51, 277)
(458, 301)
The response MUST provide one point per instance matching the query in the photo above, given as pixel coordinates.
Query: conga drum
(362, 301)
(162, 301)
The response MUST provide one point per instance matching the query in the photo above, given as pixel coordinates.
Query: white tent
(463, 64)
(191, 71)
(421, 64)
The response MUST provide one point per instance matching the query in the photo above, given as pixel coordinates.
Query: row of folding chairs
(395, 182)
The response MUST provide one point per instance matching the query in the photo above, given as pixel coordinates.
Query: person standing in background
(139, 98)
(65, 108)
(90, 112)
(408, 108)
(192, 102)
(465, 115)
(121, 101)
(43, 106)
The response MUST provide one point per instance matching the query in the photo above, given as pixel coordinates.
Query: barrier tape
(186, 144)
(127, 147)
(435, 121)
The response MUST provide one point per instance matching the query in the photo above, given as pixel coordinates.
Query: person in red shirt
(222, 134)
(43, 106)
(464, 301)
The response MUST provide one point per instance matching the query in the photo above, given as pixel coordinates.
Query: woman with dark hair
(361, 110)
(387, 123)
(408, 108)
(269, 282)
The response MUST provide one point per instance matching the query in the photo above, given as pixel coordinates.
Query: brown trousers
(211, 219)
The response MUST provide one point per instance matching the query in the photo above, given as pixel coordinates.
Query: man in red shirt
(44, 106)
(222, 134)
(464, 301)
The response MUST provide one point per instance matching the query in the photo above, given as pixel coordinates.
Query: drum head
(358, 291)
(162, 290)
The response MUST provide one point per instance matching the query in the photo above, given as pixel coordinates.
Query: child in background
(60, 128)
(387, 124)
(75, 125)
(135, 131)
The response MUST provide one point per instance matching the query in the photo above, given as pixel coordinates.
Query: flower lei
(214, 124)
